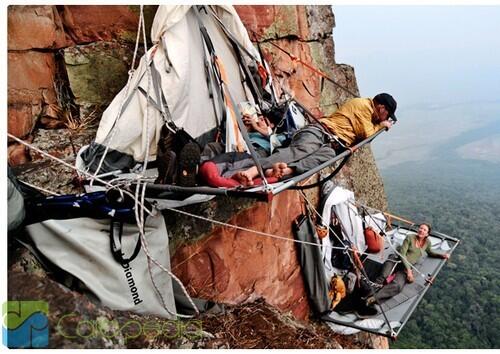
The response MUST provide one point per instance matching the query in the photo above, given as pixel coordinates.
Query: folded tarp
(311, 264)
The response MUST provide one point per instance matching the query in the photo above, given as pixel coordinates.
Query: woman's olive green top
(411, 253)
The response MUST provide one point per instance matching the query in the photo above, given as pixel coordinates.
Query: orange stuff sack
(374, 242)
(321, 231)
(337, 291)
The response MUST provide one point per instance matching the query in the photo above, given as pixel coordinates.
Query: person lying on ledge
(313, 145)
(217, 171)
(398, 270)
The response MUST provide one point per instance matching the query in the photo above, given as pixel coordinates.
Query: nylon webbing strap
(227, 94)
(156, 78)
(329, 177)
(211, 76)
(237, 47)
(209, 48)
(249, 78)
(244, 133)
(169, 124)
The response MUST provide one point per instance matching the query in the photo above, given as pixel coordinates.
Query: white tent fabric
(341, 201)
(373, 323)
(176, 34)
(376, 221)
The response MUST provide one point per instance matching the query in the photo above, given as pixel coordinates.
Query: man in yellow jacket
(313, 145)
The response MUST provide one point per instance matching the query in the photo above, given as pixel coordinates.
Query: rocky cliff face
(65, 64)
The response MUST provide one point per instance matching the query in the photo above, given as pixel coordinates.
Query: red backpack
(374, 242)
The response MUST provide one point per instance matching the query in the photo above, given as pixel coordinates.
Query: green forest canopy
(460, 198)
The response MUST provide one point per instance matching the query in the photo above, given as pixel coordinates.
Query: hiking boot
(189, 159)
(366, 312)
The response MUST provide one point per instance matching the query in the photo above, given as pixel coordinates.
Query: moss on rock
(97, 72)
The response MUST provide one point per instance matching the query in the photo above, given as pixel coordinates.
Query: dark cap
(389, 102)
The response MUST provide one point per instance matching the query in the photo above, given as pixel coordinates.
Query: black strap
(238, 48)
(156, 79)
(116, 232)
(231, 36)
(212, 68)
(329, 177)
(363, 216)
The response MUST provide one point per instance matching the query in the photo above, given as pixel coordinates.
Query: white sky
(422, 54)
(441, 64)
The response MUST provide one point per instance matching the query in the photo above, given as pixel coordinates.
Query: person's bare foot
(243, 178)
(246, 177)
(279, 170)
(275, 171)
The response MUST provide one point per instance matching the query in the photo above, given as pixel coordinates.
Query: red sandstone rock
(229, 266)
(293, 76)
(235, 266)
(31, 85)
(21, 119)
(99, 23)
(269, 21)
(256, 18)
(17, 155)
(30, 71)
(51, 117)
(35, 27)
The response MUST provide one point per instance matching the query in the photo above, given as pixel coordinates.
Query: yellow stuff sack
(337, 291)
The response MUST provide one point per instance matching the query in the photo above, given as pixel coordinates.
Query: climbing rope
(131, 73)
(62, 162)
(140, 199)
(140, 223)
(39, 188)
(139, 202)
(259, 233)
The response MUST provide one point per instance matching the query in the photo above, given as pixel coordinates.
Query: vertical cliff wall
(65, 63)
(230, 265)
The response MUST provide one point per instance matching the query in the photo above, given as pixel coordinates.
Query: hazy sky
(442, 54)
(441, 63)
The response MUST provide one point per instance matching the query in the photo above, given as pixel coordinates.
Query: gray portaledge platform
(399, 308)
